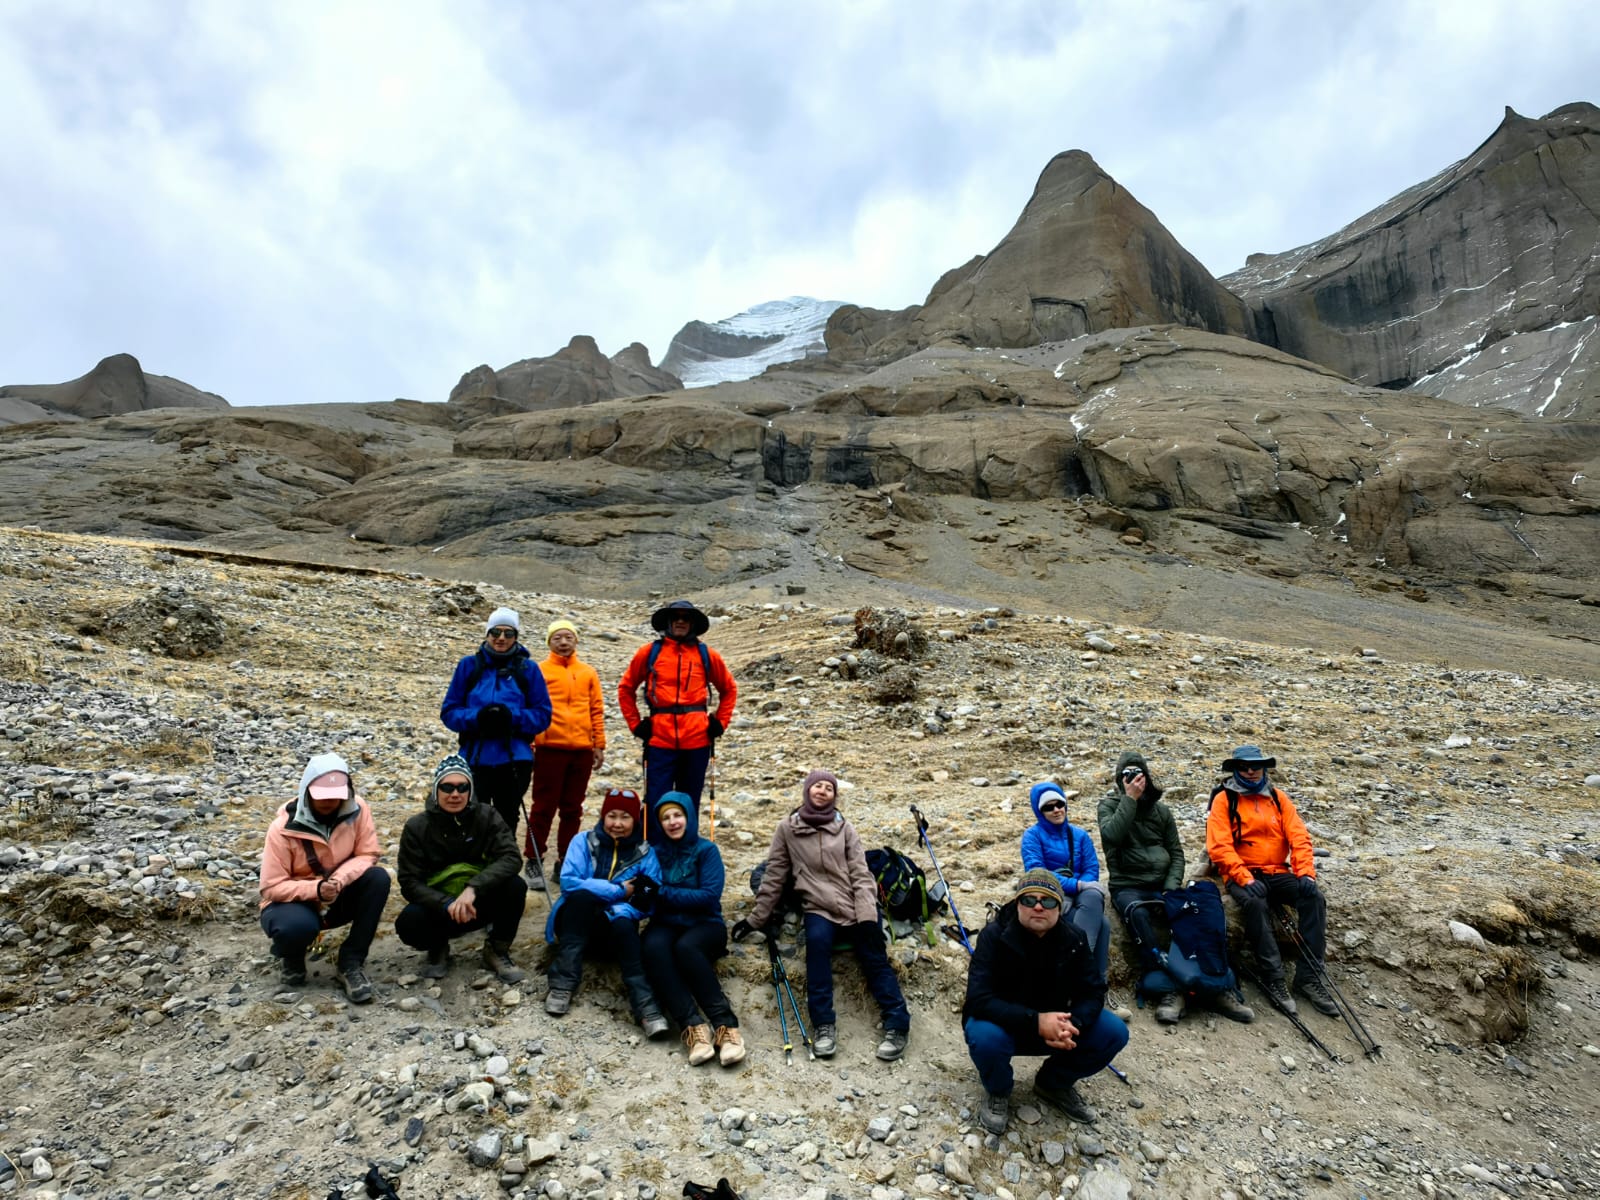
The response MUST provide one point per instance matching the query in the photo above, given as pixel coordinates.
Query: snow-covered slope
(745, 345)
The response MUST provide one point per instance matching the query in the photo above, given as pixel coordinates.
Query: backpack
(903, 892)
(1197, 962)
(650, 681)
(788, 900)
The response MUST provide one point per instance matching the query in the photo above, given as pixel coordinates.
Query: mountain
(1084, 256)
(116, 385)
(1480, 285)
(576, 374)
(744, 345)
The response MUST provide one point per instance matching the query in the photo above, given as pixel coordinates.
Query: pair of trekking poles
(1319, 968)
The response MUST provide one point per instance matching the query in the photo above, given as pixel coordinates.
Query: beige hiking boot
(697, 1039)
(731, 1045)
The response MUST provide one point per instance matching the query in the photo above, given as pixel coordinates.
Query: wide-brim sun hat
(1248, 757)
(664, 616)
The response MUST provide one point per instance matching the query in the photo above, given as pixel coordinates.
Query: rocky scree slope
(147, 1049)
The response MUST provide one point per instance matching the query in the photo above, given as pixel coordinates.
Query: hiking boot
(655, 1025)
(292, 970)
(1230, 1006)
(893, 1044)
(353, 978)
(1072, 1105)
(697, 1039)
(533, 875)
(1312, 987)
(730, 1045)
(497, 957)
(438, 963)
(1169, 1007)
(994, 1112)
(1280, 995)
(824, 1041)
(558, 1002)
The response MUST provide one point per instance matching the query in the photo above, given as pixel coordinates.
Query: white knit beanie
(503, 616)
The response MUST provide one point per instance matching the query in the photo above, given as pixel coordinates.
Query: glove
(1308, 886)
(642, 729)
(741, 930)
(1256, 888)
(645, 890)
(716, 728)
(494, 720)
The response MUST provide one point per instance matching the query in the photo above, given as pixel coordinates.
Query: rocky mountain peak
(1480, 285)
(116, 385)
(1083, 256)
(579, 373)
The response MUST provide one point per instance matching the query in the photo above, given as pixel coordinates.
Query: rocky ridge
(1480, 285)
(138, 783)
(116, 385)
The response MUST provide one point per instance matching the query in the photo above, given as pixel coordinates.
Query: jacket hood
(1037, 793)
(1132, 758)
(666, 847)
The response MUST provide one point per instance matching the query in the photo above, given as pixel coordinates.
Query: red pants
(560, 779)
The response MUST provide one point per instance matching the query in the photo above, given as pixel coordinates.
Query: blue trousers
(294, 924)
(992, 1049)
(672, 771)
(871, 952)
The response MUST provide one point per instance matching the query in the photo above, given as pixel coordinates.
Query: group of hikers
(643, 887)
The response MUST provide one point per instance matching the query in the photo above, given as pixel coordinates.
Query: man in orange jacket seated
(677, 671)
(1258, 842)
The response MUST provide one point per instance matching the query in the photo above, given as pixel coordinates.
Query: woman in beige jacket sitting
(817, 852)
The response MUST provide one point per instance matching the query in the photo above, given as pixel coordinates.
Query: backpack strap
(1234, 823)
(650, 682)
(521, 677)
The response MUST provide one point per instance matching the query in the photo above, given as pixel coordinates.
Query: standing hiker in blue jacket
(1067, 850)
(498, 703)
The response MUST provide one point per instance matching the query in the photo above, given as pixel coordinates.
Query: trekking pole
(713, 783)
(1368, 1043)
(922, 832)
(1294, 1018)
(780, 985)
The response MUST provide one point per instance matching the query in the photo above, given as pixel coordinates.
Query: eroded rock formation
(118, 384)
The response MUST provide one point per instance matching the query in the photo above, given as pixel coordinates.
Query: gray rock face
(574, 375)
(1084, 256)
(117, 384)
(1480, 285)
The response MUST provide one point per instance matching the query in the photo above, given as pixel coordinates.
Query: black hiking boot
(1279, 991)
(1310, 985)
(994, 1113)
(1232, 1007)
(352, 976)
(438, 963)
(824, 1041)
(1169, 1008)
(558, 1002)
(497, 957)
(1072, 1105)
(292, 969)
(533, 875)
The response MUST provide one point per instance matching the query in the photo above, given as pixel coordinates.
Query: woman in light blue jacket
(1067, 850)
(609, 881)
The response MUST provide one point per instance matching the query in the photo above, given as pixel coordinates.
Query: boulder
(1480, 285)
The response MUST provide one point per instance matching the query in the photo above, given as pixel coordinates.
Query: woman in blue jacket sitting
(609, 881)
(687, 935)
(1058, 846)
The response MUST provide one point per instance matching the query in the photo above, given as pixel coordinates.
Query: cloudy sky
(304, 201)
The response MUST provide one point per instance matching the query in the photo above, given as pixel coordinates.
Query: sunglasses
(1053, 806)
(502, 633)
(455, 787)
(1034, 900)
(1244, 770)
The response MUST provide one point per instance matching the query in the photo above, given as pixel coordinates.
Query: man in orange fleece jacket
(1258, 842)
(566, 753)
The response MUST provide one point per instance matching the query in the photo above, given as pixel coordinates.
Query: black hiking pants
(681, 961)
(1300, 893)
(583, 929)
(503, 786)
(499, 908)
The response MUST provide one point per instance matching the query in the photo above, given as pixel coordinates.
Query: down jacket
(589, 868)
(692, 874)
(1272, 839)
(1066, 849)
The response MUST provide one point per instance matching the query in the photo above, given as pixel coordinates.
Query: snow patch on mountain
(744, 345)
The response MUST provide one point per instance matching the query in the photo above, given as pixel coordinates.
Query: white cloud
(356, 201)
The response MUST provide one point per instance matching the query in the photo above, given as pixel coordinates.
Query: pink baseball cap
(332, 785)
